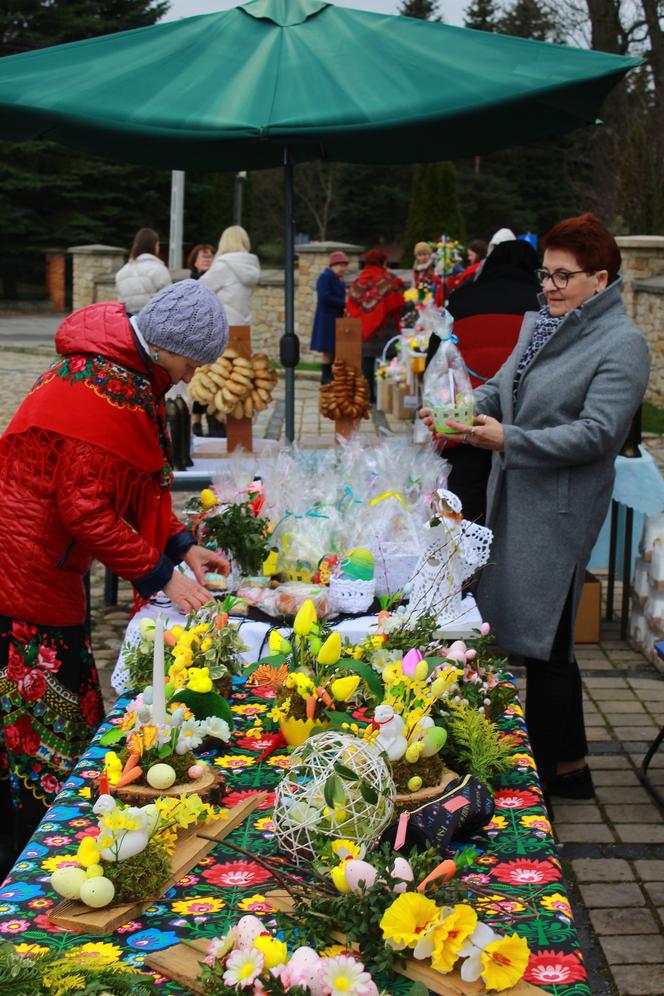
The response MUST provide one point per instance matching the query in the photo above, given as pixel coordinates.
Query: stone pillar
(313, 258)
(642, 258)
(90, 263)
(55, 277)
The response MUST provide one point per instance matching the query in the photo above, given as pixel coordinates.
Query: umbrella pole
(289, 346)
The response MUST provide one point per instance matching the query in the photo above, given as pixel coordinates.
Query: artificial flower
(504, 961)
(243, 967)
(215, 726)
(344, 688)
(220, 946)
(279, 644)
(330, 652)
(208, 499)
(449, 936)
(305, 619)
(409, 916)
(346, 977)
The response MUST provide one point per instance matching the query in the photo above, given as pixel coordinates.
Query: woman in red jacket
(85, 473)
(376, 297)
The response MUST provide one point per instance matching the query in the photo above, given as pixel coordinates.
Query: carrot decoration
(169, 638)
(311, 706)
(131, 762)
(445, 870)
(126, 778)
(221, 620)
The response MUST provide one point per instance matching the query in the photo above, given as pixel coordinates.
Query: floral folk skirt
(50, 706)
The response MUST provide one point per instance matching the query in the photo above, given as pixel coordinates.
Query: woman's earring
(155, 355)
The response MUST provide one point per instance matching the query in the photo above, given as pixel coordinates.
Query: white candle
(158, 683)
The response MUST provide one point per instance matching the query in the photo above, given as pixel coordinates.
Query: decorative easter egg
(402, 869)
(248, 927)
(359, 874)
(131, 843)
(307, 964)
(94, 871)
(67, 882)
(147, 694)
(434, 740)
(414, 752)
(358, 565)
(97, 892)
(195, 771)
(161, 776)
(414, 783)
(152, 814)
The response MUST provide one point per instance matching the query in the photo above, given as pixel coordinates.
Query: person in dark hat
(375, 297)
(330, 304)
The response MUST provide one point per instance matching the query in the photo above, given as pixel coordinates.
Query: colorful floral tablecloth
(518, 863)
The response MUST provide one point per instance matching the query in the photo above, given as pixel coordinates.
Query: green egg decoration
(358, 565)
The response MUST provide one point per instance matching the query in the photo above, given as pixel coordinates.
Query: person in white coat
(144, 275)
(234, 274)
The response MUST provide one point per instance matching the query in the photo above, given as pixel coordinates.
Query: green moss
(180, 763)
(204, 704)
(141, 877)
(430, 770)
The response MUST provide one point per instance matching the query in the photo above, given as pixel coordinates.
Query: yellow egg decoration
(161, 776)
(67, 882)
(97, 892)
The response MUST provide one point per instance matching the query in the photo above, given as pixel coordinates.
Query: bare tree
(316, 185)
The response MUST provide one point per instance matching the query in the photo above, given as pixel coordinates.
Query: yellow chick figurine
(199, 679)
(113, 767)
(88, 853)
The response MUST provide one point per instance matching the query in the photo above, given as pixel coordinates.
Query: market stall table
(518, 864)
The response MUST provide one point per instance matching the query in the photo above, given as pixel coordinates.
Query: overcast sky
(452, 10)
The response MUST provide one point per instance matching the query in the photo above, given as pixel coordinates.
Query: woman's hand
(486, 433)
(188, 595)
(425, 415)
(200, 559)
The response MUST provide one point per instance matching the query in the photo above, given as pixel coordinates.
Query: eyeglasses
(559, 278)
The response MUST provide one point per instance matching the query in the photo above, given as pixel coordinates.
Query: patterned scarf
(545, 326)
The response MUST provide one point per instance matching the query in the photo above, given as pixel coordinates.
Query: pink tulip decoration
(410, 662)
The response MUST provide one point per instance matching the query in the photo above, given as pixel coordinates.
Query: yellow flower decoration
(208, 499)
(59, 861)
(98, 952)
(343, 848)
(504, 962)
(330, 652)
(338, 876)
(149, 734)
(128, 721)
(305, 619)
(187, 906)
(333, 950)
(344, 688)
(557, 902)
(409, 916)
(450, 935)
(30, 949)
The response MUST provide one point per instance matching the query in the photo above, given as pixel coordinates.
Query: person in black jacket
(487, 317)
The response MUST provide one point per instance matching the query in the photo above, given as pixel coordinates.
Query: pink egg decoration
(359, 874)
(195, 771)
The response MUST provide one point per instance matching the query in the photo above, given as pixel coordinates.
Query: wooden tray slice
(181, 963)
(81, 919)
(419, 971)
(141, 795)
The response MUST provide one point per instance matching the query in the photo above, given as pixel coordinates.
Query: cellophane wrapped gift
(446, 389)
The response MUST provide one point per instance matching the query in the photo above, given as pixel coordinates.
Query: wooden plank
(348, 347)
(188, 852)
(239, 431)
(450, 984)
(181, 963)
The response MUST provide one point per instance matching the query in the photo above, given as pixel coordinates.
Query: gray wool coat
(550, 489)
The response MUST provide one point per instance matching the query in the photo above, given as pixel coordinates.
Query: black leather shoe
(573, 785)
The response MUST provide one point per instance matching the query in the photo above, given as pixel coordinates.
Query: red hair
(591, 244)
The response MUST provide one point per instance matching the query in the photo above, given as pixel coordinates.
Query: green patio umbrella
(275, 82)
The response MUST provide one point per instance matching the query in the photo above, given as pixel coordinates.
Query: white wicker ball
(300, 809)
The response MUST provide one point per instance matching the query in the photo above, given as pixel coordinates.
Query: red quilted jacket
(68, 498)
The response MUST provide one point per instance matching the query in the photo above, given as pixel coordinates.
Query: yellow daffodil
(344, 688)
(330, 652)
(504, 962)
(305, 619)
(410, 915)
(443, 681)
(338, 876)
(128, 721)
(208, 499)
(450, 935)
(343, 848)
(150, 734)
(273, 950)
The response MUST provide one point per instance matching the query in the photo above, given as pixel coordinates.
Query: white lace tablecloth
(255, 634)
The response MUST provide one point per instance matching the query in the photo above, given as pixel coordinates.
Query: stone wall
(643, 273)
(94, 265)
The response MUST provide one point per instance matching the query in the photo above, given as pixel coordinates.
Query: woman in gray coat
(556, 415)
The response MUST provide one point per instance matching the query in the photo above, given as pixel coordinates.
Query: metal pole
(289, 346)
(237, 196)
(177, 216)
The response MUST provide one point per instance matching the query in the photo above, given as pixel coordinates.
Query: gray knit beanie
(186, 318)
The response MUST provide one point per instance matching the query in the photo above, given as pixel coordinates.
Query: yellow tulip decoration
(279, 644)
(330, 652)
(306, 619)
(343, 689)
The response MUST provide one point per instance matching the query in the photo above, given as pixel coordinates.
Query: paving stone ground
(612, 847)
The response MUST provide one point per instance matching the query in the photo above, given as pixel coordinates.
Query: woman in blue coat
(331, 293)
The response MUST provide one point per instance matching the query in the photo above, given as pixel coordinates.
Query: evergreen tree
(425, 10)
(527, 19)
(435, 208)
(51, 195)
(481, 15)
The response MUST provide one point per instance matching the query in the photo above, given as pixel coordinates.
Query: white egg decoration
(67, 882)
(246, 930)
(97, 892)
(161, 776)
(130, 843)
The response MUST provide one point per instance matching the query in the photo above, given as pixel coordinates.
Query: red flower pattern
(516, 799)
(15, 664)
(23, 632)
(551, 968)
(233, 798)
(526, 872)
(32, 685)
(48, 658)
(236, 874)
